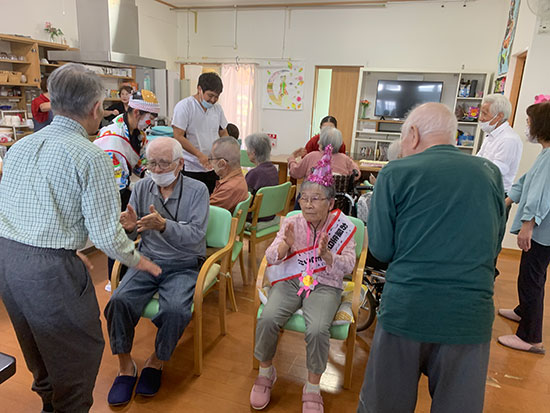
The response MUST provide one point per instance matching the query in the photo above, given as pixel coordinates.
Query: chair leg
(231, 291)
(222, 300)
(252, 270)
(255, 361)
(198, 343)
(350, 351)
(241, 264)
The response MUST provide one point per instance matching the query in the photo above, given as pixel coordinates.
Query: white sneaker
(108, 287)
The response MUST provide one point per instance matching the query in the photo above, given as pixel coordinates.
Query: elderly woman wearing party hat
(306, 271)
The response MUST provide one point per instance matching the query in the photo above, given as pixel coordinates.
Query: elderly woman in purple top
(258, 147)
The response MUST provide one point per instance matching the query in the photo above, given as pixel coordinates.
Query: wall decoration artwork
(504, 55)
(283, 86)
(500, 82)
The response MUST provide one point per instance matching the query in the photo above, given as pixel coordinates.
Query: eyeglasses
(216, 159)
(161, 164)
(313, 200)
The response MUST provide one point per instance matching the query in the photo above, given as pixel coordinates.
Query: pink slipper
(509, 314)
(312, 402)
(517, 343)
(261, 391)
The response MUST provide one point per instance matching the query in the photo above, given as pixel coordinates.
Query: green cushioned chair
(345, 332)
(220, 237)
(245, 160)
(269, 200)
(241, 210)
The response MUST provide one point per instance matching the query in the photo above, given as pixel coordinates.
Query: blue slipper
(149, 382)
(122, 388)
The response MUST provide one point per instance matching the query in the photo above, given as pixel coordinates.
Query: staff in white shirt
(198, 121)
(501, 145)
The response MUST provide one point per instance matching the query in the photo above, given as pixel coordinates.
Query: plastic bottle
(147, 82)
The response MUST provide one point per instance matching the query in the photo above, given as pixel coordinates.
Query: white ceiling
(199, 3)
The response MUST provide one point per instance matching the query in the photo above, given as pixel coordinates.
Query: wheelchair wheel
(367, 312)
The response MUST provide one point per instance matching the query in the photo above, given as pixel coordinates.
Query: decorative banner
(283, 86)
(504, 56)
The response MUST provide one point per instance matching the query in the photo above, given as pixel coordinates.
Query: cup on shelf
(44, 61)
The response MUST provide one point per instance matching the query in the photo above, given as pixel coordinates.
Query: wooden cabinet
(372, 136)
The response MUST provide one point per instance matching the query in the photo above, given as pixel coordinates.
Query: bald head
(229, 149)
(168, 148)
(428, 125)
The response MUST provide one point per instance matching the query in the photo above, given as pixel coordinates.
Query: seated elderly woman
(258, 148)
(341, 163)
(306, 271)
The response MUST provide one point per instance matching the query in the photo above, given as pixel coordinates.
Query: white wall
(28, 18)
(158, 32)
(535, 82)
(421, 36)
(158, 25)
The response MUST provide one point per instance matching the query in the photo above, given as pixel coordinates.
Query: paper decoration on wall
(500, 82)
(283, 86)
(504, 55)
(272, 139)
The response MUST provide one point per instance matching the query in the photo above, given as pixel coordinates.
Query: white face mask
(530, 138)
(163, 179)
(485, 127)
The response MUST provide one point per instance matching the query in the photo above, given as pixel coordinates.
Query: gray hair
(394, 150)
(329, 191)
(432, 118)
(74, 90)
(498, 104)
(177, 150)
(331, 136)
(260, 144)
(229, 149)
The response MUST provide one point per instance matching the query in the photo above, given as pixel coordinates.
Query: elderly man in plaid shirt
(57, 190)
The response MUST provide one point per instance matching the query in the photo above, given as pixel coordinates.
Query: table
(7, 367)
(282, 163)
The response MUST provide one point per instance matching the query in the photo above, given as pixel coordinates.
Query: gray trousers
(52, 305)
(319, 310)
(456, 375)
(176, 287)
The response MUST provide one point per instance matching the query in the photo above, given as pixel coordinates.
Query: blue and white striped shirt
(58, 189)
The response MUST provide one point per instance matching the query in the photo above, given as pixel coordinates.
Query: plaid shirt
(57, 189)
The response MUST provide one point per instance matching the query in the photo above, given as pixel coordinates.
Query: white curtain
(238, 99)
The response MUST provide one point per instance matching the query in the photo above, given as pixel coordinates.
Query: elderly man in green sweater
(438, 217)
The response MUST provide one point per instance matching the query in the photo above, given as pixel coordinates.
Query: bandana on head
(322, 174)
(542, 98)
(149, 103)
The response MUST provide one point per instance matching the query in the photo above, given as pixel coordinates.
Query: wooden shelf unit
(374, 140)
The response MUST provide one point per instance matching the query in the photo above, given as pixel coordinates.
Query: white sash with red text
(340, 231)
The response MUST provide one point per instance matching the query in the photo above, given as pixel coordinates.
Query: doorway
(516, 84)
(335, 94)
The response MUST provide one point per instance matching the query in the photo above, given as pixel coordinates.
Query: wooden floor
(517, 382)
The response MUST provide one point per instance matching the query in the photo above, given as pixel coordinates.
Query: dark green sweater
(438, 218)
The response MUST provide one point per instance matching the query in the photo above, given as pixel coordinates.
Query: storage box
(3, 76)
(14, 77)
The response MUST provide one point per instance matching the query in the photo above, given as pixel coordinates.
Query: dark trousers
(532, 277)
(52, 305)
(175, 286)
(456, 375)
(208, 178)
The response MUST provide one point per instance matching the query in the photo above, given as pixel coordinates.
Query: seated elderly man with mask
(226, 161)
(170, 212)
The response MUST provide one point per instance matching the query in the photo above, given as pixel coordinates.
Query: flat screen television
(395, 98)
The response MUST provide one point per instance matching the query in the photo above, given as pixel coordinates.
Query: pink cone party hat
(322, 174)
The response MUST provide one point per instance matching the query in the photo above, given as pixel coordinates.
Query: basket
(14, 77)
(3, 76)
